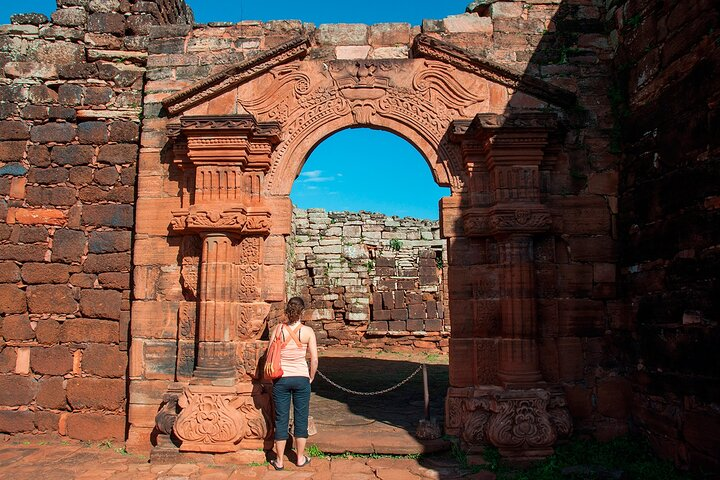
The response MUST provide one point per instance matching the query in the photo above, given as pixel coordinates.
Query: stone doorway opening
(375, 288)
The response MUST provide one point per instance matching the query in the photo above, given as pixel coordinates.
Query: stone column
(223, 407)
(518, 362)
(519, 413)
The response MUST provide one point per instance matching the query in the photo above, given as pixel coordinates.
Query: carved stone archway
(240, 139)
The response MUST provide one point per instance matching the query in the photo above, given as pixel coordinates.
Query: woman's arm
(312, 349)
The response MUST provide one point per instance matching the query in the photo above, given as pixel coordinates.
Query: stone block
(9, 272)
(17, 327)
(101, 303)
(35, 273)
(12, 299)
(118, 281)
(51, 299)
(382, 315)
(593, 249)
(16, 421)
(580, 318)
(98, 393)
(113, 23)
(37, 216)
(570, 359)
(14, 130)
(94, 427)
(159, 359)
(415, 325)
(70, 94)
(8, 359)
(83, 330)
(68, 246)
(58, 52)
(16, 390)
(37, 70)
(92, 133)
(399, 314)
(109, 262)
(80, 175)
(352, 52)
(22, 253)
(579, 401)
(55, 360)
(433, 325)
(47, 331)
(12, 151)
(389, 34)
(50, 196)
(342, 34)
(387, 53)
(106, 176)
(70, 17)
(51, 393)
(108, 215)
(104, 361)
(416, 311)
(53, 132)
(124, 131)
(47, 176)
(154, 319)
(468, 23)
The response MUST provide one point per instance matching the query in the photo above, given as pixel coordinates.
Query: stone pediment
(428, 47)
(424, 47)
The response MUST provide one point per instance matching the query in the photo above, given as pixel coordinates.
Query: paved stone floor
(40, 458)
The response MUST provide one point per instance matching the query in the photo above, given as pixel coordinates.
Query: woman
(294, 383)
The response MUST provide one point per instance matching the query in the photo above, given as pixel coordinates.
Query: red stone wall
(666, 100)
(70, 107)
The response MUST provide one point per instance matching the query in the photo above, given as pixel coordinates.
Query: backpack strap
(293, 336)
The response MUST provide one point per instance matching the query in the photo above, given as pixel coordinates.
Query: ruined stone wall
(666, 99)
(70, 108)
(372, 281)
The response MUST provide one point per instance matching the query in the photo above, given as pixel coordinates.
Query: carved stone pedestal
(223, 419)
(523, 424)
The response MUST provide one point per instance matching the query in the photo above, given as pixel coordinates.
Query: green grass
(632, 455)
(315, 452)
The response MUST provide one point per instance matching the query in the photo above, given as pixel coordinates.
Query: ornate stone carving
(425, 46)
(242, 72)
(251, 319)
(190, 249)
(236, 220)
(208, 422)
(521, 423)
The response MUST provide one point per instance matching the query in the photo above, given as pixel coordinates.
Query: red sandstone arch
(240, 139)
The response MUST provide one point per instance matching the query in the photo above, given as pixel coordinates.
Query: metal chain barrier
(379, 392)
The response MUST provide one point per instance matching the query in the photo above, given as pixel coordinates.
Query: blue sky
(356, 169)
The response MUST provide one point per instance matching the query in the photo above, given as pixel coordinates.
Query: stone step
(368, 439)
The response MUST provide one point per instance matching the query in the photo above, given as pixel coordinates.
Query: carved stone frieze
(493, 221)
(251, 319)
(235, 220)
(190, 250)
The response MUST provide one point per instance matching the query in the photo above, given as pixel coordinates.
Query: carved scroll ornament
(236, 220)
(207, 422)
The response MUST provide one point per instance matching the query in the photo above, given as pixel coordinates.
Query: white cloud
(314, 176)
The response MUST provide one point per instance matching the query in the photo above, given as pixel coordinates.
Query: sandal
(307, 460)
(274, 464)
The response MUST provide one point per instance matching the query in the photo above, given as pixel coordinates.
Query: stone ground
(32, 458)
(383, 424)
(370, 425)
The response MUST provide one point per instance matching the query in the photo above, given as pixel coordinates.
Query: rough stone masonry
(96, 288)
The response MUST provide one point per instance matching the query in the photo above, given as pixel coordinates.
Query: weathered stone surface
(92, 132)
(101, 303)
(104, 361)
(110, 262)
(55, 360)
(108, 215)
(16, 390)
(51, 393)
(45, 273)
(342, 34)
(48, 332)
(17, 327)
(94, 427)
(16, 421)
(70, 17)
(51, 299)
(68, 246)
(12, 299)
(50, 196)
(53, 132)
(98, 393)
(120, 153)
(14, 130)
(89, 330)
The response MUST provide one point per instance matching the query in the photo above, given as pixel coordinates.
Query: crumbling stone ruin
(145, 170)
(373, 281)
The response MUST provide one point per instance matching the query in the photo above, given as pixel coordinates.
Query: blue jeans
(299, 389)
